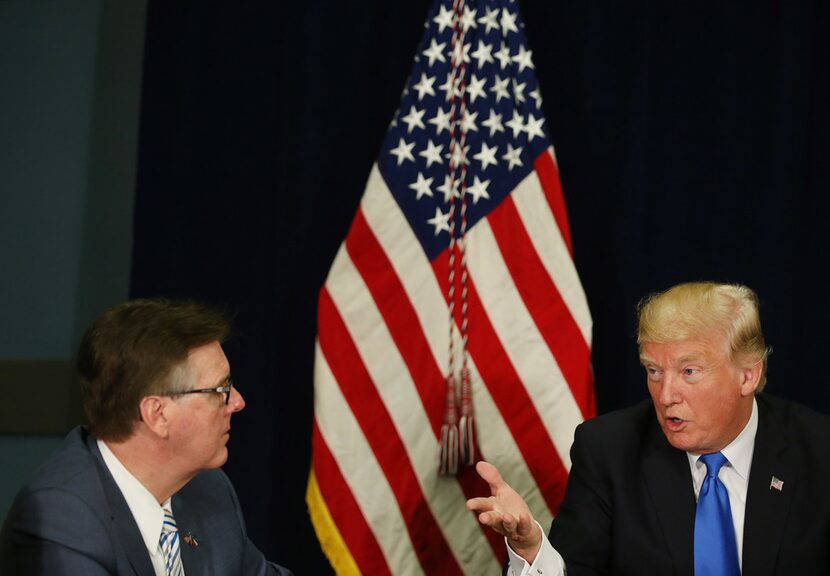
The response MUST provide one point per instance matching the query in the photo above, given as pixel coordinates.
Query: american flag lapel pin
(776, 484)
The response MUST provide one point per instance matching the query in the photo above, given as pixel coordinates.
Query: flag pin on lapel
(776, 484)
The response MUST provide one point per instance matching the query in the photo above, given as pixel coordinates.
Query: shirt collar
(148, 515)
(739, 451)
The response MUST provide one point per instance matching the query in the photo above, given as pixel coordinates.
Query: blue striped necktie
(169, 543)
(716, 553)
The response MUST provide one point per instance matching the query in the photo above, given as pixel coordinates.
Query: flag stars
(523, 58)
(443, 19)
(489, 20)
(493, 123)
(487, 156)
(435, 51)
(508, 21)
(503, 56)
(457, 155)
(537, 96)
(513, 156)
(476, 88)
(516, 124)
(484, 54)
(450, 86)
(499, 88)
(414, 119)
(468, 123)
(518, 91)
(441, 120)
(468, 19)
(461, 53)
(403, 151)
(432, 154)
(449, 189)
(424, 86)
(440, 221)
(533, 127)
(478, 190)
(422, 186)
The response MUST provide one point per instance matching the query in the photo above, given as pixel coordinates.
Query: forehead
(208, 362)
(694, 349)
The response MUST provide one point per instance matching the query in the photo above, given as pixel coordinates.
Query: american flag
(468, 152)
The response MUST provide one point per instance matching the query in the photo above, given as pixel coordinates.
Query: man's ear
(152, 410)
(750, 377)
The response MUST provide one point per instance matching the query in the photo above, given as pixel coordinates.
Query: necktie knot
(714, 462)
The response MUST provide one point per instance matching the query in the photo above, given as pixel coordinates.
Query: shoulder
(70, 468)
(623, 423)
(793, 420)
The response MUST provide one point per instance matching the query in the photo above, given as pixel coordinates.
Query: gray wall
(70, 78)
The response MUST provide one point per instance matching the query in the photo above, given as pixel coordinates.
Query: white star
(441, 120)
(487, 155)
(513, 156)
(444, 19)
(503, 55)
(413, 119)
(493, 123)
(450, 86)
(457, 155)
(441, 221)
(424, 86)
(461, 51)
(523, 58)
(403, 151)
(484, 53)
(479, 190)
(432, 153)
(533, 127)
(468, 123)
(508, 21)
(435, 51)
(518, 91)
(500, 88)
(476, 88)
(515, 123)
(537, 95)
(422, 186)
(490, 20)
(449, 188)
(468, 20)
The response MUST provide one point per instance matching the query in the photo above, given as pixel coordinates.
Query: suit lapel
(667, 477)
(127, 533)
(193, 559)
(766, 506)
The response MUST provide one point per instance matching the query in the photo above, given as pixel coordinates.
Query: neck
(145, 459)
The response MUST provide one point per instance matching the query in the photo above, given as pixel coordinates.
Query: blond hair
(702, 309)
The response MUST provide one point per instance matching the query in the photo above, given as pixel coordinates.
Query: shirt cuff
(548, 561)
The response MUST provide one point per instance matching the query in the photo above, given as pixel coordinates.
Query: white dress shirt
(148, 514)
(734, 475)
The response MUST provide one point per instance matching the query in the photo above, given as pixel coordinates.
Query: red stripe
(400, 317)
(510, 396)
(356, 384)
(544, 302)
(549, 177)
(344, 509)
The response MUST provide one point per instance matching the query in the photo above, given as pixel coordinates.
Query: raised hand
(507, 513)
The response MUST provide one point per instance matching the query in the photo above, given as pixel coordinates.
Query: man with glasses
(140, 490)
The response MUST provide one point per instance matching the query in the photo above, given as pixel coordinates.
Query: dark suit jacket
(72, 519)
(629, 507)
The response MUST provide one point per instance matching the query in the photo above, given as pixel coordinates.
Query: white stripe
(518, 333)
(349, 448)
(393, 232)
(394, 384)
(539, 221)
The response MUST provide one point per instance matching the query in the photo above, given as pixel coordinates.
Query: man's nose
(668, 391)
(236, 402)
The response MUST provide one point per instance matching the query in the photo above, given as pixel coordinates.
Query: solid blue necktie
(716, 553)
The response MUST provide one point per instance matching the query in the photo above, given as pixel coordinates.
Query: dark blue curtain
(693, 141)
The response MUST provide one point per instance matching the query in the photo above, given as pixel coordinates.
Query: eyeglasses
(226, 390)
